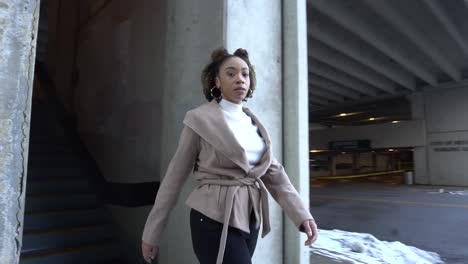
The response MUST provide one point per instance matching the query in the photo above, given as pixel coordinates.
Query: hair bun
(240, 52)
(219, 54)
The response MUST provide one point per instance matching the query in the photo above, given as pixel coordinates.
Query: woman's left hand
(310, 227)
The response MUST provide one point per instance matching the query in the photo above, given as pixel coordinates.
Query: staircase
(65, 223)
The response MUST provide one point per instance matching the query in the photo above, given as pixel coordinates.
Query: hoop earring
(249, 95)
(220, 93)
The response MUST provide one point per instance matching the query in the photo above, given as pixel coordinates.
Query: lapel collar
(208, 121)
(266, 158)
(261, 128)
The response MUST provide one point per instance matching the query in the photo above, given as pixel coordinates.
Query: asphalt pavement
(427, 217)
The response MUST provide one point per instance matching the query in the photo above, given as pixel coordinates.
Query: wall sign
(450, 145)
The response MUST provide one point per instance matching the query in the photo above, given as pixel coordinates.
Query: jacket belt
(233, 187)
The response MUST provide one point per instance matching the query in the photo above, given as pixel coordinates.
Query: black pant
(206, 235)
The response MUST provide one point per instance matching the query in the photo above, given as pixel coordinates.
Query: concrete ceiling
(363, 51)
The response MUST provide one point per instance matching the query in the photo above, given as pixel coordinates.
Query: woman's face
(234, 80)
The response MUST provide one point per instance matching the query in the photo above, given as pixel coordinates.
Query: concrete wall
(139, 68)
(120, 60)
(403, 134)
(446, 110)
(447, 136)
(118, 96)
(194, 29)
(63, 29)
(18, 31)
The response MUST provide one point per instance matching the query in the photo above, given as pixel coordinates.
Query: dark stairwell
(65, 221)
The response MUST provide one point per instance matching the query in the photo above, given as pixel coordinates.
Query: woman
(229, 152)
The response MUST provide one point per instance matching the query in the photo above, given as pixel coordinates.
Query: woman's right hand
(149, 251)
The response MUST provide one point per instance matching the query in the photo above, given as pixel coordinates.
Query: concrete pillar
(18, 31)
(256, 26)
(296, 118)
(374, 161)
(355, 156)
(333, 165)
(421, 173)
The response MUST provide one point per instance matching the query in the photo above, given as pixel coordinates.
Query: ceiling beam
(444, 18)
(404, 25)
(317, 80)
(323, 69)
(339, 13)
(316, 90)
(364, 74)
(342, 40)
(344, 106)
(318, 101)
(449, 85)
(314, 107)
(323, 98)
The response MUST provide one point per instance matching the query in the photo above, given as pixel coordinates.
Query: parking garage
(392, 74)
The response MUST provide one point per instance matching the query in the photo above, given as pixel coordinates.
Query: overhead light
(347, 114)
(372, 119)
(316, 151)
(391, 150)
(395, 122)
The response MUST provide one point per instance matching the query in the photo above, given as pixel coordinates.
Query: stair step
(64, 221)
(60, 163)
(47, 147)
(89, 254)
(121, 260)
(41, 122)
(40, 203)
(59, 185)
(45, 173)
(56, 156)
(64, 218)
(48, 135)
(64, 238)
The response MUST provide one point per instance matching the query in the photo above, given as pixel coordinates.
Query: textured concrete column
(194, 29)
(256, 26)
(18, 29)
(296, 117)
(421, 173)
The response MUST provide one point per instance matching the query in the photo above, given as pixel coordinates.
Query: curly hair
(211, 70)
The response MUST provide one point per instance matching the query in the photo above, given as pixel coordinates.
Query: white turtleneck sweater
(245, 131)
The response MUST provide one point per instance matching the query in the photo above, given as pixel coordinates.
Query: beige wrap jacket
(228, 187)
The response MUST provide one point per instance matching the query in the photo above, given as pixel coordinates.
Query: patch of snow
(459, 192)
(465, 192)
(361, 248)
